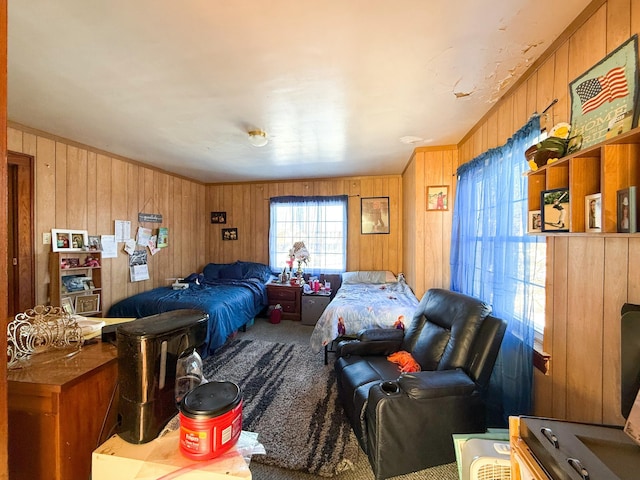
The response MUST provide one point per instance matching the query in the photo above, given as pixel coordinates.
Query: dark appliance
(148, 350)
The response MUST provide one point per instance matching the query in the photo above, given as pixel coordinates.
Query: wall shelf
(604, 168)
(86, 301)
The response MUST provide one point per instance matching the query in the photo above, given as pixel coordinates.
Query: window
(494, 259)
(319, 222)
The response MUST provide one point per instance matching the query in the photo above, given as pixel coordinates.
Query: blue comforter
(229, 303)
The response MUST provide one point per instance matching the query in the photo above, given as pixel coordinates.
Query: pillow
(232, 271)
(368, 276)
(212, 270)
(256, 270)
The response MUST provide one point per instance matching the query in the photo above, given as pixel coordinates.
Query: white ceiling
(334, 83)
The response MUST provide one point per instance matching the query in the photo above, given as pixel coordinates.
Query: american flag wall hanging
(604, 98)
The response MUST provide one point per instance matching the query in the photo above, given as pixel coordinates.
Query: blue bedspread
(229, 303)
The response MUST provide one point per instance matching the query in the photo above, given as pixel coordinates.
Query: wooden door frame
(25, 246)
(4, 433)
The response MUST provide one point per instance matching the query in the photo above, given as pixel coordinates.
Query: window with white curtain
(319, 222)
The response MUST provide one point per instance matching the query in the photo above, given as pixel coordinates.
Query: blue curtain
(493, 259)
(318, 221)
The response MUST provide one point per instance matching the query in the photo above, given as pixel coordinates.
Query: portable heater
(484, 459)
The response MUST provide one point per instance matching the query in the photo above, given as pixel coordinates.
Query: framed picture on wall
(593, 213)
(218, 217)
(229, 234)
(374, 215)
(604, 98)
(69, 240)
(555, 210)
(438, 197)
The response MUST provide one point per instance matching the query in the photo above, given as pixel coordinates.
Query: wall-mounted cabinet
(76, 282)
(604, 168)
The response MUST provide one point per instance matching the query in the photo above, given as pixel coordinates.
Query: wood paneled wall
(4, 430)
(247, 207)
(588, 277)
(81, 188)
(427, 237)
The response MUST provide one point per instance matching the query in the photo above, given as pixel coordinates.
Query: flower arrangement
(300, 254)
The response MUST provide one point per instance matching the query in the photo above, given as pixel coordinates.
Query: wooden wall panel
(544, 93)
(618, 23)
(585, 329)
(247, 207)
(560, 111)
(588, 278)
(78, 187)
(616, 271)
(427, 248)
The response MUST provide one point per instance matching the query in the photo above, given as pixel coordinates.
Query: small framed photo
(438, 197)
(555, 210)
(218, 217)
(374, 215)
(593, 213)
(87, 303)
(229, 234)
(627, 210)
(95, 245)
(69, 240)
(67, 305)
(535, 221)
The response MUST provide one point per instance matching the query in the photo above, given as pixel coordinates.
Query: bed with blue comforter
(231, 294)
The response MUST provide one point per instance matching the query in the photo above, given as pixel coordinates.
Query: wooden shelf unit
(58, 292)
(604, 168)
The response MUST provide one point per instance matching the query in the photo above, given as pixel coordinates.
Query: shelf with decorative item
(76, 281)
(605, 169)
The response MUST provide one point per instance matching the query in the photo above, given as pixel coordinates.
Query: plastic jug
(188, 373)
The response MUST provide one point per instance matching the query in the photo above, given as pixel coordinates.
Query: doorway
(20, 248)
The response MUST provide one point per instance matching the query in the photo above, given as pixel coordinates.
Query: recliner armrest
(380, 334)
(375, 341)
(437, 383)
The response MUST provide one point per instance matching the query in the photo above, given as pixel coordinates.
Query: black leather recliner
(404, 422)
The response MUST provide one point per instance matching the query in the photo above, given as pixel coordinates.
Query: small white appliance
(484, 459)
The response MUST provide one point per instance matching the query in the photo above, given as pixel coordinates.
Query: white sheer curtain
(319, 222)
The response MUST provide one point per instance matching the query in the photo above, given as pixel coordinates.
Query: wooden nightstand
(288, 296)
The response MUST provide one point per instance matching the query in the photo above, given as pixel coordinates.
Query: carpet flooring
(296, 333)
(291, 401)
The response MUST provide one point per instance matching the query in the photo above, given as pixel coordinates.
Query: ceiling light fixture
(258, 138)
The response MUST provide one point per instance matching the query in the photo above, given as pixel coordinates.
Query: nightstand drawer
(283, 293)
(289, 307)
